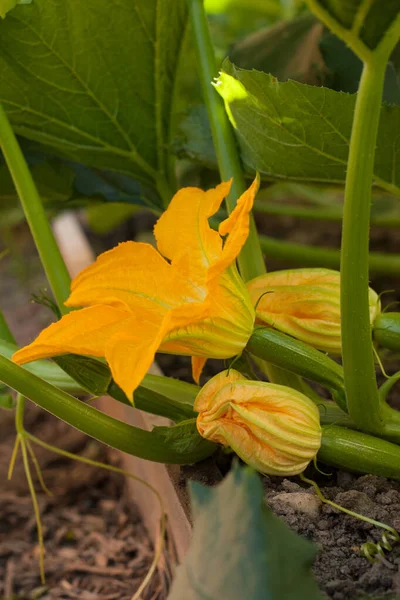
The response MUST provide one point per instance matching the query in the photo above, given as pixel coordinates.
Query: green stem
(5, 331)
(357, 352)
(314, 256)
(19, 415)
(359, 452)
(251, 262)
(297, 357)
(46, 245)
(85, 418)
(321, 213)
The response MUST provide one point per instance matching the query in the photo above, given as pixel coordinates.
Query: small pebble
(300, 501)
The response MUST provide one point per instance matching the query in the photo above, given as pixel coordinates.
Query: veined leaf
(364, 24)
(183, 437)
(294, 131)
(240, 549)
(94, 80)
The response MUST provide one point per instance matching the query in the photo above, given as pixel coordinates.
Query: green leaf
(365, 25)
(240, 549)
(183, 437)
(94, 81)
(103, 218)
(287, 50)
(299, 132)
(54, 180)
(91, 374)
(345, 69)
(7, 5)
(159, 395)
(109, 186)
(194, 138)
(7, 402)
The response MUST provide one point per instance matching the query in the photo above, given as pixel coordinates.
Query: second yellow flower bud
(304, 303)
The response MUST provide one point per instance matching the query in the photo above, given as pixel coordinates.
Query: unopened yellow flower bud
(304, 303)
(273, 428)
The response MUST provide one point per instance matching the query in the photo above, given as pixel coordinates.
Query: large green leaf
(54, 180)
(94, 80)
(366, 20)
(240, 550)
(299, 132)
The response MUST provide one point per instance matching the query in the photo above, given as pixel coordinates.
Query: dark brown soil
(340, 569)
(96, 545)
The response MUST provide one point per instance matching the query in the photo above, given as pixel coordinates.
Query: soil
(340, 569)
(96, 544)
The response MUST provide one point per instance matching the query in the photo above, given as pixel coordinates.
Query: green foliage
(103, 218)
(108, 186)
(54, 180)
(240, 549)
(182, 437)
(293, 131)
(73, 89)
(345, 69)
(367, 19)
(7, 5)
(91, 374)
(6, 401)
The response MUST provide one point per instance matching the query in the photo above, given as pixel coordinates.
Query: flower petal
(188, 214)
(198, 363)
(132, 276)
(237, 225)
(83, 331)
(130, 355)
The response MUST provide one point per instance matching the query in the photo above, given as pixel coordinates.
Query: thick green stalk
(46, 245)
(357, 351)
(359, 452)
(251, 262)
(297, 357)
(85, 418)
(314, 256)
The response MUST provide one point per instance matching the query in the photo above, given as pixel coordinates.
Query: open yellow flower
(137, 302)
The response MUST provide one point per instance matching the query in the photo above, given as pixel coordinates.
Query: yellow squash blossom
(273, 428)
(304, 303)
(187, 298)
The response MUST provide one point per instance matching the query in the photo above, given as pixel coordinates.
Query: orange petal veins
(237, 225)
(133, 276)
(83, 331)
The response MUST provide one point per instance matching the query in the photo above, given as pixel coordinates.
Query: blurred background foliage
(279, 37)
